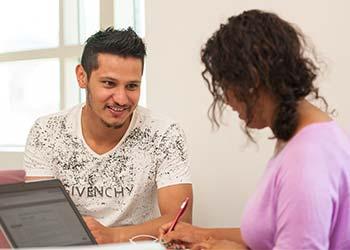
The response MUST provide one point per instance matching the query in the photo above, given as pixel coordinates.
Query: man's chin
(115, 125)
(119, 123)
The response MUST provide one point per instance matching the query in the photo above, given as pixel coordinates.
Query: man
(116, 159)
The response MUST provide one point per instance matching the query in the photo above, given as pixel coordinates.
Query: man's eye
(108, 83)
(132, 86)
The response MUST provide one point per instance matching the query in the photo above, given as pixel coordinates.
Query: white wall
(225, 172)
(11, 160)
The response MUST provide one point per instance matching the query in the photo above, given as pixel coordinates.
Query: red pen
(181, 211)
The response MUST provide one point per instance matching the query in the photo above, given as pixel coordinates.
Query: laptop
(40, 214)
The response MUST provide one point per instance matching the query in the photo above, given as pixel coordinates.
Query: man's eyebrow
(112, 79)
(135, 81)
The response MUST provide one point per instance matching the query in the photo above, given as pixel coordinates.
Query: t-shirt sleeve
(305, 200)
(173, 166)
(35, 154)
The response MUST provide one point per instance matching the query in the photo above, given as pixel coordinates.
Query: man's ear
(81, 76)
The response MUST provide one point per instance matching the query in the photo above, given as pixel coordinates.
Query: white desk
(121, 246)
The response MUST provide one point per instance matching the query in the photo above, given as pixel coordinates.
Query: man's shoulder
(148, 118)
(62, 115)
(64, 120)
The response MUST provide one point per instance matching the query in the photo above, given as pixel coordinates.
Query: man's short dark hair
(124, 43)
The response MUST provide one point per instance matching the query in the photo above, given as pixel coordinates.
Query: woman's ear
(81, 76)
(229, 96)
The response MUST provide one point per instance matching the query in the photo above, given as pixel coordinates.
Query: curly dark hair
(255, 49)
(125, 43)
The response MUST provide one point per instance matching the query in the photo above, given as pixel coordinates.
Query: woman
(256, 63)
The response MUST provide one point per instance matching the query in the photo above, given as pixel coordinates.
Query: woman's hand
(213, 244)
(184, 235)
(101, 233)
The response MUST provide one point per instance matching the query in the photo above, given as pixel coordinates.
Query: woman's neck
(309, 114)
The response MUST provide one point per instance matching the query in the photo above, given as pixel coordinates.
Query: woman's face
(261, 110)
(236, 105)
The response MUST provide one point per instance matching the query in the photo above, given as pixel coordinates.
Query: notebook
(40, 214)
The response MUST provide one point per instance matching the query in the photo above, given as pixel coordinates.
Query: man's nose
(120, 96)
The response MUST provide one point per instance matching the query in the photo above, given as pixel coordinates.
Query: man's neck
(97, 135)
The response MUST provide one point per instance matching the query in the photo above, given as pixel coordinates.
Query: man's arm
(169, 201)
(37, 178)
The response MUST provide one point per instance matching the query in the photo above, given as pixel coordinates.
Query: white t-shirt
(118, 187)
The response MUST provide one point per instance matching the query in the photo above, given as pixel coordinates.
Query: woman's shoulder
(319, 137)
(320, 147)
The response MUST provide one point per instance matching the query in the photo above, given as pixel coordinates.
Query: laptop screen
(41, 214)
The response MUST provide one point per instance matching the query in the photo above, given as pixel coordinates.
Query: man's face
(113, 90)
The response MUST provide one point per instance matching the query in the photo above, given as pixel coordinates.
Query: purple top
(302, 201)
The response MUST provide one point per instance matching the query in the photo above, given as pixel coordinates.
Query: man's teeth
(117, 109)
